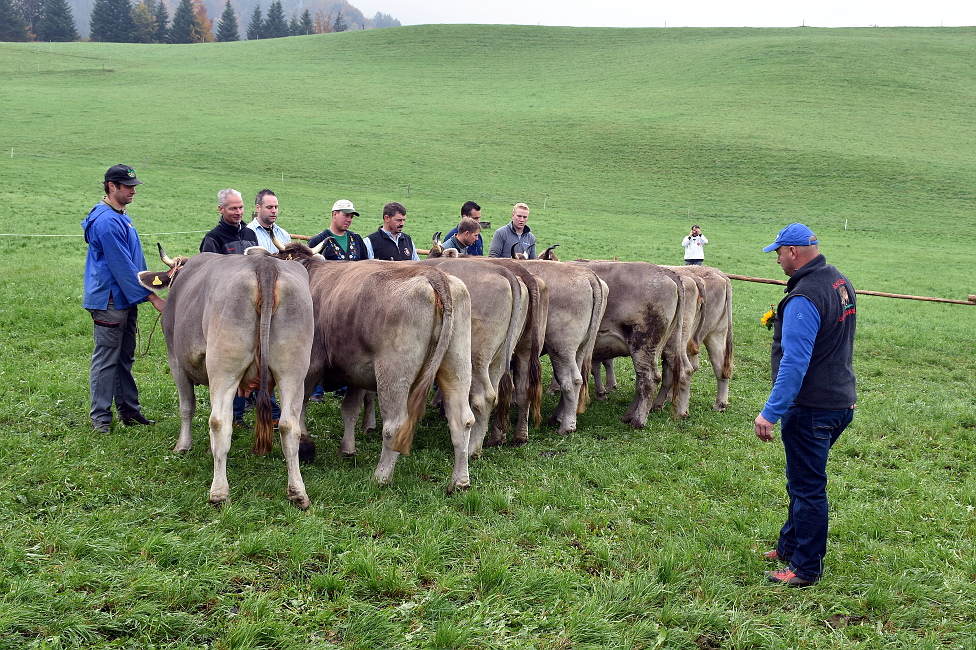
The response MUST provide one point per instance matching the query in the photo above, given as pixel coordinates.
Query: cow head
(549, 254)
(436, 248)
(156, 281)
(298, 251)
(518, 256)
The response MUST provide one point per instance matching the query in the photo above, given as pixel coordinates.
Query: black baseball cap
(121, 175)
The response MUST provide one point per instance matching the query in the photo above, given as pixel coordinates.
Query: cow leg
(483, 396)
(567, 374)
(188, 406)
(369, 412)
(611, 376)
(455, 383)
(683, 398)
(715, 344)
(289, 428)
(648, 378)
(521, 400)
(598, 388)
(221, 424)
(393, 410)
(352, 403)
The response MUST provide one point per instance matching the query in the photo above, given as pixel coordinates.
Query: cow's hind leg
(188, 405)
(567, 375)
(221, 429)
(289, 428)
(352, 403)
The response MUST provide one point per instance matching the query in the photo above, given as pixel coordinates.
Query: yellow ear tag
(156, 281)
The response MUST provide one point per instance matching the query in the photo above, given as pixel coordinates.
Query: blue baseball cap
(795, 234)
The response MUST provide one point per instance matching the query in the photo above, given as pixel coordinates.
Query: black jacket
(228, 240)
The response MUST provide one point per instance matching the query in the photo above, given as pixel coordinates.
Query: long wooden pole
(971, 301)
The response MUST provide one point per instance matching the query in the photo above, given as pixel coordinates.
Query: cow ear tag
(156, 281)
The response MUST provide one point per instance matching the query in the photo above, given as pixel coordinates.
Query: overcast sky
(679, 13)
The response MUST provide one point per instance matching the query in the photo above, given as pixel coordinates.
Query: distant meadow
(619, 140)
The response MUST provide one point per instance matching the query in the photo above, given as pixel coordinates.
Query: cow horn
(277, 243)
(513, 251)
(548, 254)
(436, 249)
(321, 245)
(163, 256)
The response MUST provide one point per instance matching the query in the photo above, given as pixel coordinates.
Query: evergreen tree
(144, 22)
(305, 24)
(340, 24)
(57, 22)
(111, 21)
(275, 25)
(162, 20)
(255, 28)
(227, 28)
(12, 24)
(294, 27)
(184, 20)
(31, 11)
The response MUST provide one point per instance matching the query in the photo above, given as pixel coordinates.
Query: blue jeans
(808, 434)
(110, 378)
(240, 403)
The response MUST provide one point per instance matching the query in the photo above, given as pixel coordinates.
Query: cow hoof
(518, 441)
(458, 486)
(306, 452)
(720, 407)
(493, 441)
(554, 421)
(602, 397)
(300, 499)
(182, 450)
(369, 430)
(218, 502)
(347, 454)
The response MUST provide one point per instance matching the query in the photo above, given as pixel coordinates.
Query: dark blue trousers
(808, 434)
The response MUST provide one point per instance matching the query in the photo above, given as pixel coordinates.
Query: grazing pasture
(610, 537)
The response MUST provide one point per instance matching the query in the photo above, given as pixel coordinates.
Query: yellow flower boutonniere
(769, 317)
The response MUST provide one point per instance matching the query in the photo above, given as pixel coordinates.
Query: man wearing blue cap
(813, 394)
(112, 296)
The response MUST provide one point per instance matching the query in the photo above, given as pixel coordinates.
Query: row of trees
(119, 21)
(47, 20)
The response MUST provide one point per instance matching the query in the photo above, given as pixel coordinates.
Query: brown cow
(643, 310)
(499, 310)
(715, 330)
(391, 327)
(232, 321)
(577, 300)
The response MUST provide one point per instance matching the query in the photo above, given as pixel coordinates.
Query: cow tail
(267, 279)
(596, 315)
(417, 399)
(728, 360)
(694, 343)
(677, 368)
(538, 324)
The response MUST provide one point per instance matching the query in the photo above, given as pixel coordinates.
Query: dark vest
(829, 381)
(332, 251)
(385, 249)
(228, 240)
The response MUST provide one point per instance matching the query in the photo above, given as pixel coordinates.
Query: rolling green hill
(638, 130)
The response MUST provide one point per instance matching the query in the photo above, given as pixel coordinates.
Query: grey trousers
(111, 364)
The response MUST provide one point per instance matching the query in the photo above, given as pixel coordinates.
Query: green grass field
(619, 140)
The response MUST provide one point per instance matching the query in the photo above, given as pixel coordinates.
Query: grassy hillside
(619, 140)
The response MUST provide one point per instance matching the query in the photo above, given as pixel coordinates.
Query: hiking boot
(787, 577)
(776, 557)
(316, 398)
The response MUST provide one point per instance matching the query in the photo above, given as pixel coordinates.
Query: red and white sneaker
(775, 556)
(787, 577)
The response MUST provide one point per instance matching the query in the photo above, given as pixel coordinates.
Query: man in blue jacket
(112, 296)
(813, 393)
